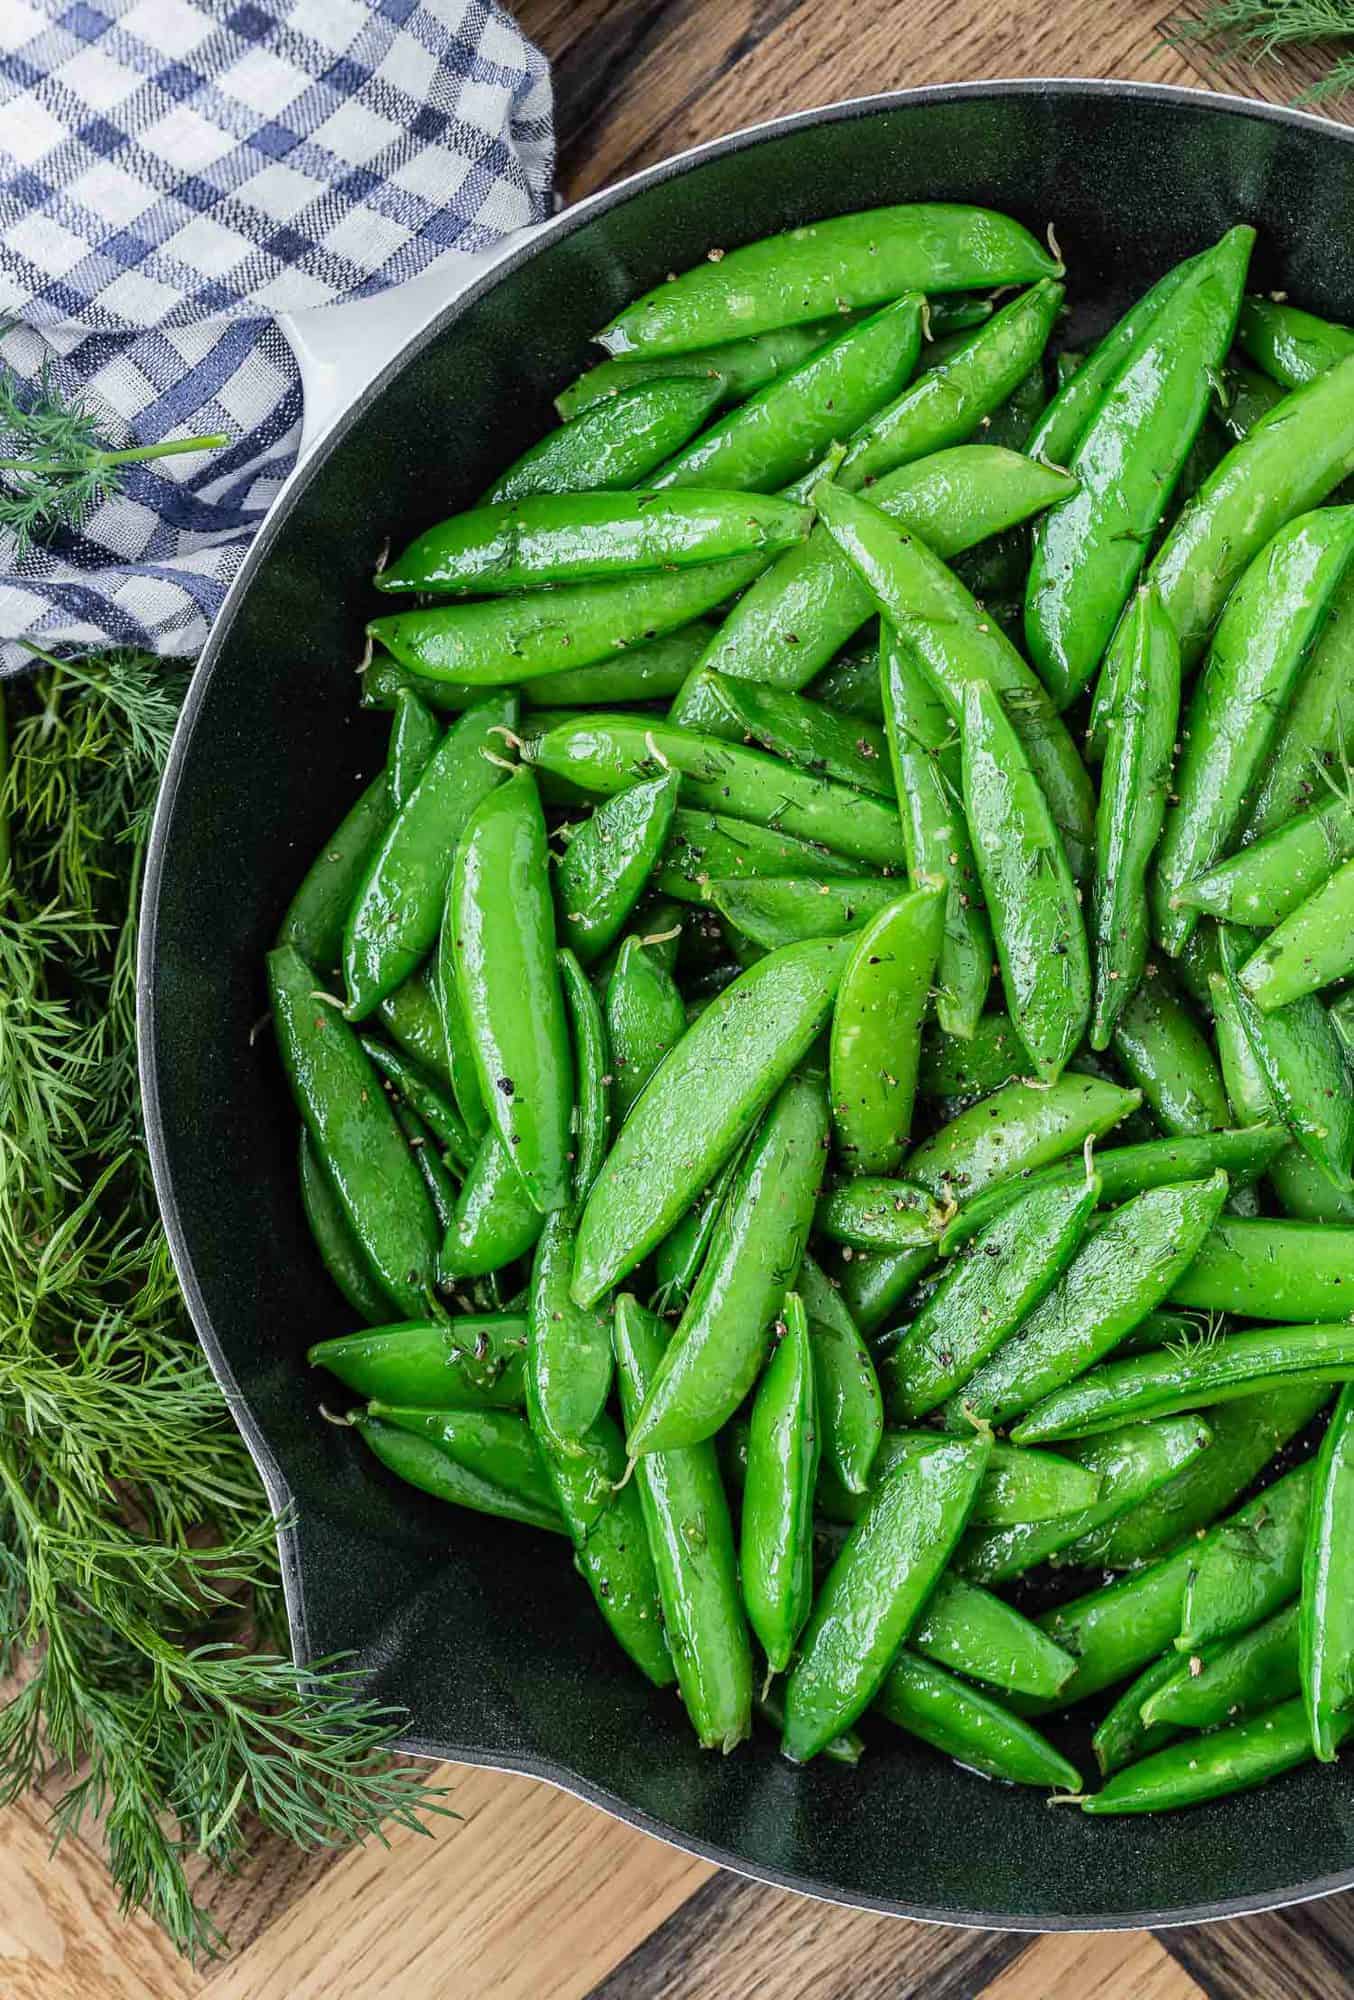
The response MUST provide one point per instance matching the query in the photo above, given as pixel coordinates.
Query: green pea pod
(850, 685)
(1133, 1463)
(783, 430)
(805, 733)
(604, 1516)
(509, 985)
(354, 1131)
(735, 369)
(1083, 383)
(705, 848)
(1087, 551)
(1306, 757)
(958, 645)
(808, 273)
(474, 1362)
(974, 1633)
(1028, 888)
(1266, 882)
(949, 400)
(396, 913)
(704, 1096)
(1230, 1760)
(848, 1404)
(777, 1519)
(1310, 949)
(414, 735)
(1250, 1565)
(509, 639)
(1301, 1059)
(1162, 1049)
(436, 1179)
(459, 1055)
(873, 1213)
(645, 1019)
(606, 754)
(424, 1097)
(1266, 1269)
(1130, 1170)
(1247, 398)
(969, 1726)
(618, 442)
(1326, 1621)
(340, 1252)
(1238, 1677)
(608, 863)
(691, 1539)
(1246, 1436)
(1264, 636)
(797, 615)
(679, 1257)
(717, 1351)
(986, 1294)
(890, 1563)
(568, 1349)
(1121, 1272)
(494, 1449)
(927, 775)
(574, 537)
(1019, 1484)
(875, 1282)
(652, 671)
(1123, 1737)
(319, 909)
(591, 1124)
(778, 910)
(412, 1017)
(876, 1030)
(1292, 346)
(1114, 1631)
(768, 1707)
(1139, 751)
(495, 1219)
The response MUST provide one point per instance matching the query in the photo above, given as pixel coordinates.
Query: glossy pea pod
(968, 1725)
(1307, 755)
(1019, 1485)
(509, 985)
(691, 1540)
(704, 848)
(1113, 1631)
(590, 1127)
(701, 1100)
(645, 1019)
(458, 1052)
(1310, 949)
(397, 910)
(1266, 882)
(1139, 751)
(608, 862)
(1292, 346)
(425, 1098)
(619, 442)
(414, 735)
(1326, 1617)
(1230, 1760)
(355, 1133)
(783, 430)
(1088, 550)
(797, 728)
(340, 1252)
(985, 1295)
(793, 620)
(436, 1177)
(927, 774)
(495, 1221)
(1122, 1272)
(569, 1356)
(1250, 1565)
(650, 671)
(849, 1406)
(1253, 665)
(1247, 396)
(1031, 899)
(412, 1017)
(1122, 1737)
(319, 909)
(828, 267)
(1271, 1269)
(471, 1362)
(780, 910)
(483, 1459)
(958, 645)
(679, 1257)
(1162, 1049)
(735, 369)
(721, 1340)
(875, 1043)
(776, 1536)
(891, 1561)
(873, 1213)
(1237, 1677)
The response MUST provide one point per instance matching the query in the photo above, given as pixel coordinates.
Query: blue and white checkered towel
(172, 174)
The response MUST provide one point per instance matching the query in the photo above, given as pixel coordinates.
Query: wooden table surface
(531, 1895)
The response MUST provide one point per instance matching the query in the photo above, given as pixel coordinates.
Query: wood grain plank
(530, 1895)
(1108, 1965)
(1304, 1953)
(61, 1934)
(739, 1939)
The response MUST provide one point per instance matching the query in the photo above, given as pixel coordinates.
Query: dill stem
(133, 456)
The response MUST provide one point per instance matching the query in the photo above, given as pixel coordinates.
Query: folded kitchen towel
(175, 173)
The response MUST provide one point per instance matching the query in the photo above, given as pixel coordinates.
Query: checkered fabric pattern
(174, 173)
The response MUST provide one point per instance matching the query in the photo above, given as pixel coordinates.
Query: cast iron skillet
(481, 1631)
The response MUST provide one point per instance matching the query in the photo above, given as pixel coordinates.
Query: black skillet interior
(479, 1630)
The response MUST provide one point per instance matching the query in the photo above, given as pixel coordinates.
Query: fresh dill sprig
(139, 1595)
(1266, 28)
(55, 465)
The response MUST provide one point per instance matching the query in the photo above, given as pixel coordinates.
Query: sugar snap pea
(735, 369)
(1112, 1632)
(827, 267)
(850, 684)
(1307, 756)
(849, 1408)
(1271, 1269)
(340, 1252)
(871, 1212)
(414, 735)
(969, 1726)
(716, 1353)
(1019, 1484)
(776, 910)
(782, 1468)
(975, 1633)
(616, 444)
(678, 1258)
(1231, 1760)
(317, 912)
(1249, 1565)
(495, 1219)
(1139, 750)
(691, 1539)
(1122, 1737)
(1326, 1617)
(425, 1097)
(1310, 949)
(650, 671)
(1236, 1677)
(1247, 397)
(645, 1019)
(1263, 884)
(435, 1175)
(458, 1054)
(806, 733)
(876, 1030)
(568, 1346)
(1162, 1049)
(474, 1361)
(1290, 345)
(398, 908)
(956, 1071)
(608, 862)
(412, 1017)
(354, 1131)
(876, 1588)
(485, 1459)
(590, 1126)
(706, 847)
